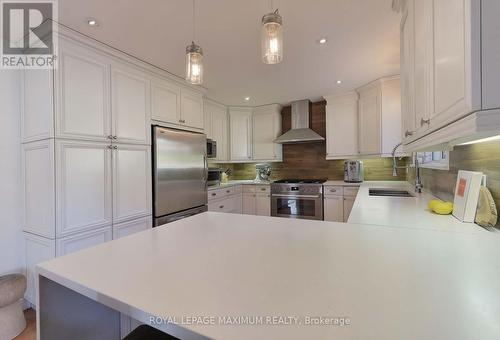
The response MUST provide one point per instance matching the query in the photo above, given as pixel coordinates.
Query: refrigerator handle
(205, 164)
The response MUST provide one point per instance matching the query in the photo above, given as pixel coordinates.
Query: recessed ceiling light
(339, 81)
(322, 41)
(247, 98)
(92, 22)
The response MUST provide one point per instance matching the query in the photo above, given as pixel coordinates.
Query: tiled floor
(30, 332)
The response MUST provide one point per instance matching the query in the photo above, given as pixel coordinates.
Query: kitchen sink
(390, 192)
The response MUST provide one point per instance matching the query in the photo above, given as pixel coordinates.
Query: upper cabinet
(216, 127)
(83, 93)
(342, 126)
(191, 109)
(450, 72)
(266, 127)
(365, 123)
(240, 132)
(130, 105)
(165, 101)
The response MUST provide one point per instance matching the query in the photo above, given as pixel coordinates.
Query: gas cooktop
(301, 181)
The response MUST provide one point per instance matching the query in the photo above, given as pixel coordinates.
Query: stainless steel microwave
(211, 148)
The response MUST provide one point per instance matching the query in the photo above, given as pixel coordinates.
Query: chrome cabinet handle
(110, 146)
(214, 194)
(115, 147)
(408, 133)
(228, 191)
(297, 196)
(333, 190)
(424, 121)
(221, 207)
(110, 137)
(263, 189)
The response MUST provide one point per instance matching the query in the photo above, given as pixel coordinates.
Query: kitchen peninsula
(377, 282)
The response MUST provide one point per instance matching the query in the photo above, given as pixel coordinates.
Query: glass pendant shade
(272, 38)
(194, 64)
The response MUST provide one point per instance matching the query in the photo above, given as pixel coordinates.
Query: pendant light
(272, 37)
(194, 59)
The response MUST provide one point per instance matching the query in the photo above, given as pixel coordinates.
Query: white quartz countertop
(405, 212)
(341, 183)
(237, 182)
(391, 283)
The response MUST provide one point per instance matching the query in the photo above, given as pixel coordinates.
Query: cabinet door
(249, 200)
(423, 98)
(334, 208)
(348, 203)
(37, 107)
(452, 77)
(37, 249)
(131, 182)
(165, 101)
(263, 205)
(265, 129)
(407, 71)
(369, 123)
(131, 227)
(192, 109)
(219, 132)
(130, 105)
(83, 186)
(342, 126)
(240, 130)
(38, 188)
(83, 106)
(82, 241)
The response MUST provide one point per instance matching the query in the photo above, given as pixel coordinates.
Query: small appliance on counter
(353, 171)
(262, 172)
(214, 176)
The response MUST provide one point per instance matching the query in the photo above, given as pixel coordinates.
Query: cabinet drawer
(351, 191)
(249, 188)
(224, 192)
(334, 190)
(262, 189)
(231, 204)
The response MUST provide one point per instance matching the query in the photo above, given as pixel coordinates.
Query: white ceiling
(363, 42)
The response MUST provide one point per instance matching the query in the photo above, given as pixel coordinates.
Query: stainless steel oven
(297, 200)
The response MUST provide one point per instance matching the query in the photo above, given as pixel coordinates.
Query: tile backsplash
(484, 157)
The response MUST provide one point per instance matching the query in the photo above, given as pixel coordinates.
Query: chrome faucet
(394, 161)
(395, 167)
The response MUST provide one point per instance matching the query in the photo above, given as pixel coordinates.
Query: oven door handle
(296, 196)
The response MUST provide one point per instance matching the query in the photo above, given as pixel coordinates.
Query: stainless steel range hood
(300, 132)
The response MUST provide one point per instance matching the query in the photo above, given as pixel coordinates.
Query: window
(439, 160)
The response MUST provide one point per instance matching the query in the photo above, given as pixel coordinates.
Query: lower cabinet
(334, 208)
(263, 204)
(249, 201)
(132, 227)
(241, 199)
(70, 244)
(229, 204)
(338, 202)
(257, 200)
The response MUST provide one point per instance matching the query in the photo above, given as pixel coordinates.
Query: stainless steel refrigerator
(180, 173)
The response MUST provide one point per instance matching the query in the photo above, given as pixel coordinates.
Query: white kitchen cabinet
(131, 182)
(229, 204)
(216, 127)
(191, 109)
(131, 227)
(37, 104)
(456, 69)
(83, 93)
(266, 127)
(38, 188)
(83, 186)
(37, 249)
(334, 208)
(342, 126)
(240, 131)
(407, 71)
(348, 204)
(165, 101)
(263, 204)
(70, 244)
(130, 103)
(379, 116)
(249, 203)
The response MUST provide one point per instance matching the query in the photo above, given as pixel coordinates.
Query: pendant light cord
(194, 24)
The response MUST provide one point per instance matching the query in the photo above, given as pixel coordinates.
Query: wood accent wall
(484, 157)
(308, 161)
